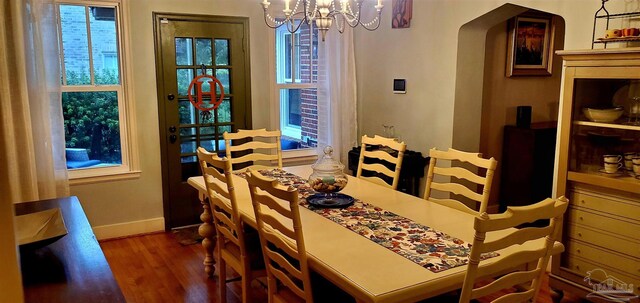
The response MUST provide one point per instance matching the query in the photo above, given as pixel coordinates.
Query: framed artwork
(402, 13)
(530, 46)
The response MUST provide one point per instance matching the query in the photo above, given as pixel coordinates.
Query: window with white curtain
(297, 86)
(94, 98)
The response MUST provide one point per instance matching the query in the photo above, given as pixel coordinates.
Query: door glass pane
(203, 51)
(75, 44)
(209, 130)
(104, 45)
(223, 75)
(92, 128)
(207, 137)
(184, 53)
(222, 52)
(188, 132)
(226, 128)
(184, 77)
(206, 119)
(224, 111)
(188, 159)
(208, 144)
(187, 112)
(187, 145)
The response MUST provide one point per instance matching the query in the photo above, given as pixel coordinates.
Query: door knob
(173, 138)
(171, 97)
(172, 129)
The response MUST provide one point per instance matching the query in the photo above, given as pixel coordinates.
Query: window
(297, 85)
(93, 89)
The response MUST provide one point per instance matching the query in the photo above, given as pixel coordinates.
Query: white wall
(140, 199)
(426, 55)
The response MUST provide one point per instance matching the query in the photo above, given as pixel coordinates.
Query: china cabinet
(601, 230)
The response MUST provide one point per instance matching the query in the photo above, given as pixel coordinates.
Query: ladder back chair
(457, 174)
(484, 224)
(278, 217)
(383, 154)
(261, 148)
(234, 246)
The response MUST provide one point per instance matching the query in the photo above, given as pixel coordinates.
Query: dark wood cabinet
(527, 164)
(72, 269)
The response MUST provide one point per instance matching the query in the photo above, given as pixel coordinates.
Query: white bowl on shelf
(606, 115)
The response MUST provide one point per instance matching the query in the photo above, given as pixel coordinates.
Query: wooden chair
(234, 246)
(460, 173)
(381, 154)
(259, 146)
(278, 217)
(531, 279)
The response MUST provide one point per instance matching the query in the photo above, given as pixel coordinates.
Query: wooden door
(187, 45)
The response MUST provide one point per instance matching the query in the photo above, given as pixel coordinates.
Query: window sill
(91, 176)
(299, 156)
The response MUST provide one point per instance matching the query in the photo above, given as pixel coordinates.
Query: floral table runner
(429, 248)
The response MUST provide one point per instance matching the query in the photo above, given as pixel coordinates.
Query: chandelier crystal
(324, 13)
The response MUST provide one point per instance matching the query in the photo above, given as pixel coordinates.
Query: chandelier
(324, 13)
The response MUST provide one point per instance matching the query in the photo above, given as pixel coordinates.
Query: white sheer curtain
(337, 114)
(32, 159)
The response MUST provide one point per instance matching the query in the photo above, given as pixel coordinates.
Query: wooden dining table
(364, 269)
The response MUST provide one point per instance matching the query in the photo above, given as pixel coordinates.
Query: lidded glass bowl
(328, 175)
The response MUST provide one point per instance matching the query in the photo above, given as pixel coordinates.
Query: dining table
(363, 268)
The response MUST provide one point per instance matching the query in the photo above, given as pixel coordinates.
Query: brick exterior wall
(309, 97)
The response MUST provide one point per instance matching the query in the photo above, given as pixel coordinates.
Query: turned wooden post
(207, 231)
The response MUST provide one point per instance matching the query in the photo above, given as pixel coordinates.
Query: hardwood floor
(156, 268)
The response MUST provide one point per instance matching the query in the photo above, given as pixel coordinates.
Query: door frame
(161, 94)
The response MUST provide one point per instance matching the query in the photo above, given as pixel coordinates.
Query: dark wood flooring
(156, 268)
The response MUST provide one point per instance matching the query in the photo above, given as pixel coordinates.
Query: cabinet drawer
(603, 240)
(582, 267)
(630, 266)
(594, 221)
(618, 207)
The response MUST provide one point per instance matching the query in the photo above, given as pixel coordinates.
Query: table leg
(207, 231)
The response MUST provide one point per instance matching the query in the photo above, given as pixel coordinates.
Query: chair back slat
(517, 237)
(276, 209)
(381, 154)
(504, 282)
(379, 168)
(545, 241)
(460, 173)
(274, 223)
(515, 216)
(517, 297)
(477, 191)
(253, 145)
(457, 155)
(457, 189)
(261, 149)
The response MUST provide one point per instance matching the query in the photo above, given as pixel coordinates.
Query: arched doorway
(485, 99)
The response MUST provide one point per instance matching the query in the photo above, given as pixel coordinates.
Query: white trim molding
(127, 229)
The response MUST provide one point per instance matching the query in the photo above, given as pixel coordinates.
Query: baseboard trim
(120, 230)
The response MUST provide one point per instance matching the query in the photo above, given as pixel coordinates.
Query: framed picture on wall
(530, 45)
